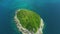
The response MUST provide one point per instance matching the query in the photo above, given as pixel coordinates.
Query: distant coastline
(25, 31)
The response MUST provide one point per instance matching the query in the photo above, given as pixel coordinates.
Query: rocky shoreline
(24, 30)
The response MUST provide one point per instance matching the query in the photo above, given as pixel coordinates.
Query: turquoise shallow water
(48, 10)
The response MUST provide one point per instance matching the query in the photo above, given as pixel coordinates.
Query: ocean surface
(49, 10)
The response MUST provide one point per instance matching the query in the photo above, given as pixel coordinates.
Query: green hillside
(29, 19)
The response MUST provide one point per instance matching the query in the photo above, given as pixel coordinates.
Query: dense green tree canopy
(29, 19)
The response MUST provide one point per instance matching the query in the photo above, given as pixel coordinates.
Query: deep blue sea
(49, 10)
